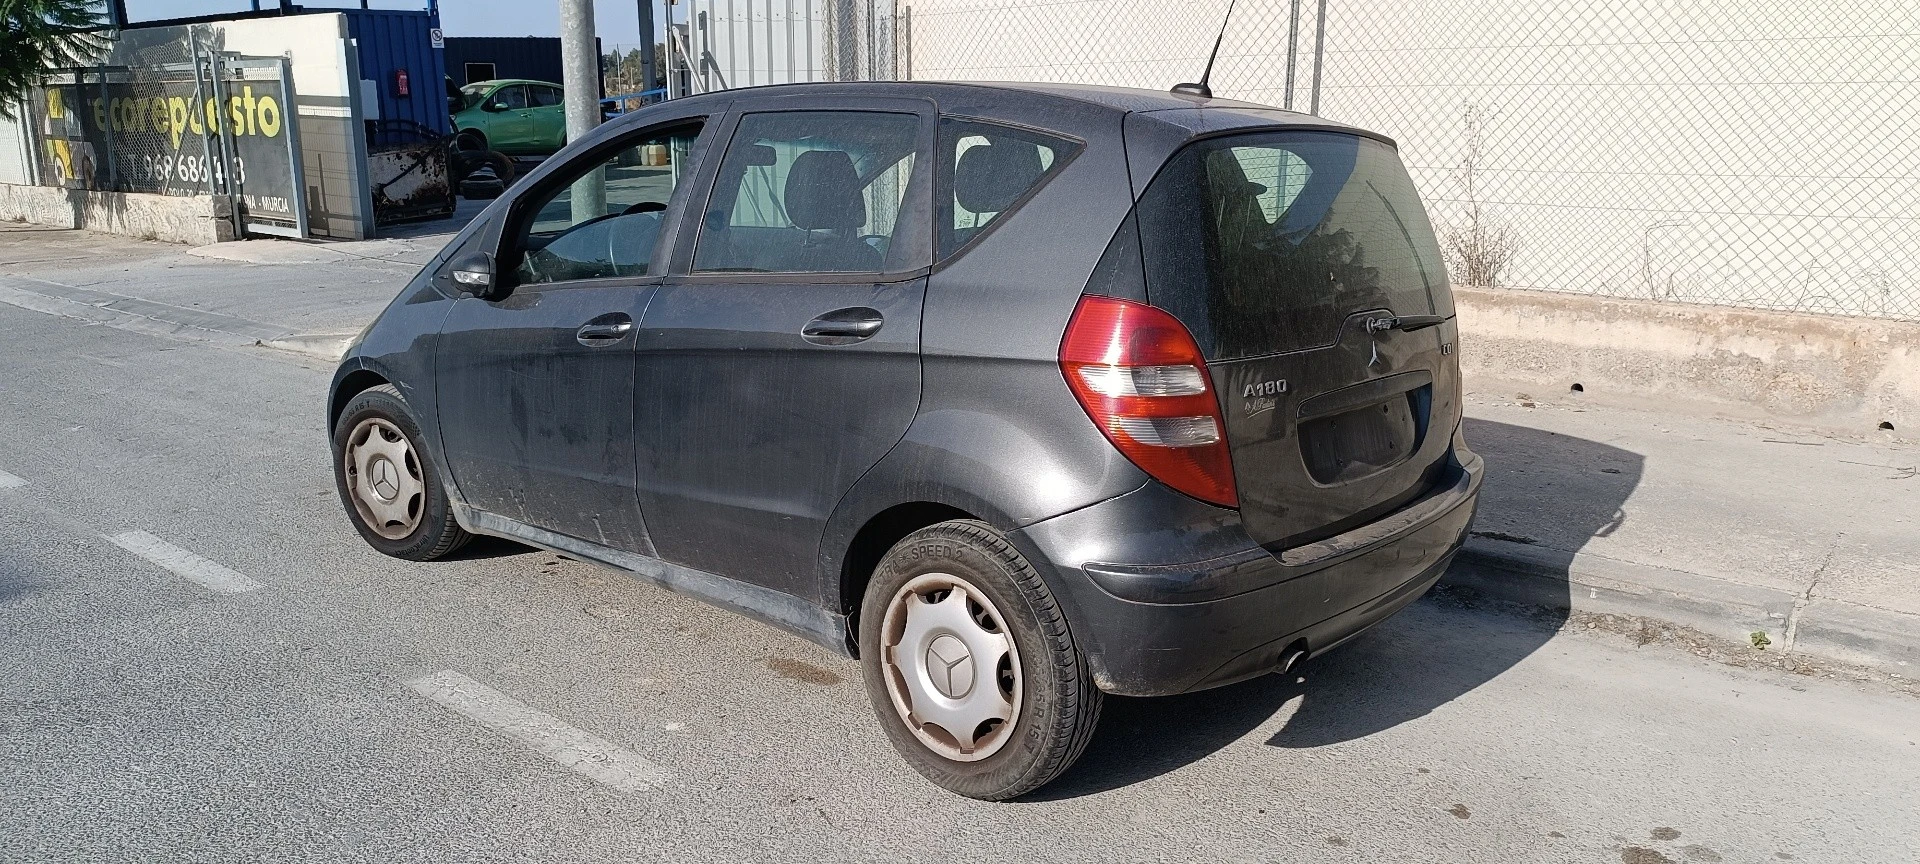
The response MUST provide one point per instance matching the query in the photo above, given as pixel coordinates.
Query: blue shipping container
(392, 41)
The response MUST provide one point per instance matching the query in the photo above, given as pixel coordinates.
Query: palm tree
(40, 35)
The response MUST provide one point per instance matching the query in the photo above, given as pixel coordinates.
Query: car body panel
(532, 130)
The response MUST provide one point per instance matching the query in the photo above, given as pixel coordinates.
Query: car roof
(1176, 109)
(494, 81)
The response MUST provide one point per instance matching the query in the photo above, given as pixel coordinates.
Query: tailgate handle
(1404, 323)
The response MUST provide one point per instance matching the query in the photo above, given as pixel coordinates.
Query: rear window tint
(986, 171)
(1265, 243)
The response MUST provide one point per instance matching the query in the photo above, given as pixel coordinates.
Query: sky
(616, 21)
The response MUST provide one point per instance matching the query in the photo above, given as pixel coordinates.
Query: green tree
(41, 35)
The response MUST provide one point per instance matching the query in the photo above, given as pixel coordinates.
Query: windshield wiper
(1404, 323)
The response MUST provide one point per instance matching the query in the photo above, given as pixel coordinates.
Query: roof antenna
(1200, 87)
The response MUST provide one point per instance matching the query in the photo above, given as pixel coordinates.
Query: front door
(786, 362)
(510, 124)
(536, 388)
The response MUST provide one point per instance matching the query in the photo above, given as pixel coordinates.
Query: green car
(518, 118)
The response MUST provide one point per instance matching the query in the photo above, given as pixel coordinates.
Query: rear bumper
(1153, 628)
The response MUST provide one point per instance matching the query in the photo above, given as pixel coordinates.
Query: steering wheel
(644, 207)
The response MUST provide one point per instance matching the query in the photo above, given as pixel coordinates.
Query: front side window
(604, 220)
(511, 98)
(986, 168)
(809, 192)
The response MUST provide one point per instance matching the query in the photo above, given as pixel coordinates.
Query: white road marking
(577, 749)
(8, 481)
(187, 565)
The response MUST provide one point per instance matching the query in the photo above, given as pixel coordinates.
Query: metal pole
(206, 136)
(106, 130)
(1293, 44)
(228, 149)
(580, 76)
(1319, 49)
(673, 72)
(646, 45)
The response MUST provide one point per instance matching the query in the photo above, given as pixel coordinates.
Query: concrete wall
(196, 220)
(1849, 372)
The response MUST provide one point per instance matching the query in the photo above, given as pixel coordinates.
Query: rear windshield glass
(1265, 243)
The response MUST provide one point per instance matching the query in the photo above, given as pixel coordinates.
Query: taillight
(1141, 378)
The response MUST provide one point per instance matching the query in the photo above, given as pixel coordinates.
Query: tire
(416, 522)
(470, 139)
(1054, 703)
(502, 165)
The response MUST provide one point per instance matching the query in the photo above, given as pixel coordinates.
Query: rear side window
(1265, 243)
(986, 170)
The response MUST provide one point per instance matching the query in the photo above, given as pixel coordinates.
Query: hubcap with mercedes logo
(952, 670)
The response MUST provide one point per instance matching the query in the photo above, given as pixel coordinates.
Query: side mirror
(475, 274)
(494, 107)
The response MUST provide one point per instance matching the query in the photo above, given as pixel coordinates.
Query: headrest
(823, 191)
(990, 176)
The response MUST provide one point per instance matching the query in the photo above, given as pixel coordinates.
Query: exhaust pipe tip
(1291, 657)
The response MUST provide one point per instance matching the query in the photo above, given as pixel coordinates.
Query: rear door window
(1264, 243)
(986, 171)
(810, 192)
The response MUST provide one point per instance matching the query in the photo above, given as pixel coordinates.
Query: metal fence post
(106, 135)
(229, 164)
(1293, 46)
(1319, 50)
(206, 134)
(295, 165)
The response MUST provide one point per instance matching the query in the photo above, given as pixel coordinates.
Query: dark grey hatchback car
(1020, 394)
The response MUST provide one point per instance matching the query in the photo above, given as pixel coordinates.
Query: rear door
(1304, 265)
(785, 360)
(549, 116)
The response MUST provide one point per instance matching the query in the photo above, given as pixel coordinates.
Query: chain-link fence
(1752, 153)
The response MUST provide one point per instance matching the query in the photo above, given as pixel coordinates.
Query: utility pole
(646, 45)
(580, 75)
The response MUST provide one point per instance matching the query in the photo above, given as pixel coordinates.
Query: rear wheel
(970, 665)
(387, 480)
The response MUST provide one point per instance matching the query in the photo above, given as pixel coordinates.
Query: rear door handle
(843, 326)
(605, 330)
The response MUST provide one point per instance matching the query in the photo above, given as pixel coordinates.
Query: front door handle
(843, 326)
(605, 330)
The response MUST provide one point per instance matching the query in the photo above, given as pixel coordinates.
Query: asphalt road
(199, 660)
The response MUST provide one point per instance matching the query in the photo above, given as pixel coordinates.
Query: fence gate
(221, 125)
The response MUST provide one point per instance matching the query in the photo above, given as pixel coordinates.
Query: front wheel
(387, 480)
(970, 664)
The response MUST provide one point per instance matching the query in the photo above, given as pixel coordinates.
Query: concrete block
(1824, 369)
(197, 220)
